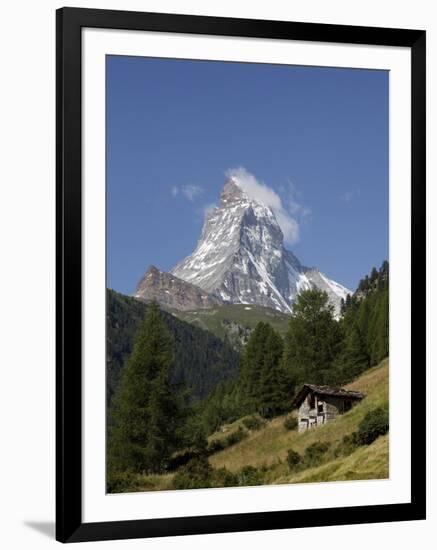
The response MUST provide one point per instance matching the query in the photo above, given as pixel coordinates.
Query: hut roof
(325, 390)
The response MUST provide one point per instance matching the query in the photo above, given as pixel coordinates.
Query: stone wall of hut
(309, 416)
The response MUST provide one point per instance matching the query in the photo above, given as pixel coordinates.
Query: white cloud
(287, 217)
(209, 208)
(191, 191)
(350, 195)
(294, 206)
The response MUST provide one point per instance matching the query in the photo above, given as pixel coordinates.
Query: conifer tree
(373, 276)
(263, 381)
(273, 384)
(353, 359)
(163, 423)
(342, 306)
(313, 339)
(252, 366)
(366, 325)
(380, 344)
(144, 415)
(384, 271)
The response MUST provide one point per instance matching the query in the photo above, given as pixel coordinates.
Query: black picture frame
(69, 24)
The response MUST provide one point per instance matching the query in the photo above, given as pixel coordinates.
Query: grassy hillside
(234, 322)
(267, 448)
(365, 463)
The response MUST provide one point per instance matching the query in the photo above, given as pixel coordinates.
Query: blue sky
(317, 137)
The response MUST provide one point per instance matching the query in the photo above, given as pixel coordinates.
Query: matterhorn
(241, 258)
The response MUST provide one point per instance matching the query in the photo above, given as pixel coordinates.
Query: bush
(224, 478)
(253, 422)
(121, 482)
(181, 458)
(374, 424)
(290, 423)
(347, 445)
(199, 442)
(235, 437)
(219, 444)
(294, 460)
(197, 474)
(315, 453)
(215, 446)
(249, 475)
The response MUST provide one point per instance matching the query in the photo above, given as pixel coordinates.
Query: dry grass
(227, 429)
(269, 446)
(154, 482)
(368, 462)
(371, 379)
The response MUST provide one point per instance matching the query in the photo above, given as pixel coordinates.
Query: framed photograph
(240, 274)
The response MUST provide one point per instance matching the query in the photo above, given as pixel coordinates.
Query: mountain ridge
(241, 257)
(172, 292)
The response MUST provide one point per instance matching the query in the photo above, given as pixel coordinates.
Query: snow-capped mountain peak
(241, 258)
(232, 192)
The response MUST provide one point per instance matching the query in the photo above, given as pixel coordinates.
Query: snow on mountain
(241, 258)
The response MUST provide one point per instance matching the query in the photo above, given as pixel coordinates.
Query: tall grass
(268, 447)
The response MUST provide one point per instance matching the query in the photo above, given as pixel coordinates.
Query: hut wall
(318, 409)
(333, 406)
(304, 409)
(303, 414)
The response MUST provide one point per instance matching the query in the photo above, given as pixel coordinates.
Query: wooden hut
(320, 404)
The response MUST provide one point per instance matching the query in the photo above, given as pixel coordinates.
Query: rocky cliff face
(241, 258)
(172, 292)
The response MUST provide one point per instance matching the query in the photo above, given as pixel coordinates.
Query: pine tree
(252, 366)
(263, 382)
(373, 276)
(313, 340)
(273, 385)
(163, 423)
(385, 268)
(144, 415)
(354, 358)
(342, 306)
(380, 343)
(383, 279)
(363, 319)
(366, 325)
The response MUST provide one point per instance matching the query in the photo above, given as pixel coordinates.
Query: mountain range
(240, 258)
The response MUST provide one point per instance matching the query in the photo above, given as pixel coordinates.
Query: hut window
(312, 402)
(320, 407)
